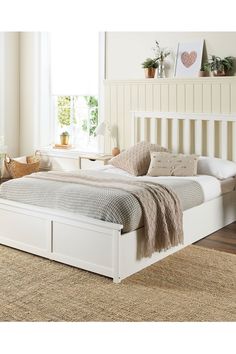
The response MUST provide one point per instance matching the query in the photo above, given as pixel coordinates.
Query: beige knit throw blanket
(162, 212)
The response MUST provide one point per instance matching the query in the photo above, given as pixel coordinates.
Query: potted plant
(203, 71)
(149, 66)
(64, 137)
(218, 66)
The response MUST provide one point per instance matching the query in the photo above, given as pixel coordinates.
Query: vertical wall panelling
(142, 97)
(156, 97)
(181, 97)
(172, 98)
(200, 95)
(164, 104)
(206, 98)
(149, 97)
(189, 103)
(216, 101)
(134, 97)
(197, 98)
(225, 98)
(233, 97)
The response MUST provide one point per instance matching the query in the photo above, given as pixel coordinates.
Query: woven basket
(18, 169)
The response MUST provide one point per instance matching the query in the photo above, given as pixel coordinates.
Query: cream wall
(125, 51)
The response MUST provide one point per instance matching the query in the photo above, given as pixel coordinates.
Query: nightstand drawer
(87, 164)
(93, 161)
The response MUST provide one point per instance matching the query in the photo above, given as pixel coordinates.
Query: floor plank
(221, 240)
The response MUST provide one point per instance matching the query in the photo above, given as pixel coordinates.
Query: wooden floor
(222, 240)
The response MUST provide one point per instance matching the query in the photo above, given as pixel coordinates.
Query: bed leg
(116, 256)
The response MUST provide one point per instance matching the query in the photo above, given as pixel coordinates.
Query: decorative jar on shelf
(161, 69)
(64, 138)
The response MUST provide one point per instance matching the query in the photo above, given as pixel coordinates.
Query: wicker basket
(18, 169)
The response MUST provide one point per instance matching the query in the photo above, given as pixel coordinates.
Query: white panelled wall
(201, 95)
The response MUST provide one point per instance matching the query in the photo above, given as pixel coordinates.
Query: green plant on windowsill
(218, 66)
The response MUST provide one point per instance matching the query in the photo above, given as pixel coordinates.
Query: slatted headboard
(211, 135)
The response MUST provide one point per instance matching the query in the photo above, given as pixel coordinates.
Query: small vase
(64, 139)
(150, 73)
(161, 70)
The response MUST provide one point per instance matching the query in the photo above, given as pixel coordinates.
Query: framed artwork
(189, 59)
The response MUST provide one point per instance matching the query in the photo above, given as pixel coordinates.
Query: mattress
(228, 185)
(211, 186)
(108, 204)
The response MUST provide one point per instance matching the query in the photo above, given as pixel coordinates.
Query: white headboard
(211, 135)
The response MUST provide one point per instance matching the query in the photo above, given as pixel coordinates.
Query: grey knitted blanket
(162, 213)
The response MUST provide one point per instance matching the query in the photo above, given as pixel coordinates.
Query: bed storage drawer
(84, 247)
(30, 234)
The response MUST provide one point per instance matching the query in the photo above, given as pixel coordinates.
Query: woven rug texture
(194, 284)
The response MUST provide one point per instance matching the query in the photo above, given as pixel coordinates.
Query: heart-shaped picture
(188, 59)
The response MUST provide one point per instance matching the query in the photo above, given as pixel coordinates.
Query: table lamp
(104, 129)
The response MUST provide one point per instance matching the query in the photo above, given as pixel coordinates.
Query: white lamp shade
(103, 129)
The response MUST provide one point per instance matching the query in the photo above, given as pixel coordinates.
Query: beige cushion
(136, 159)
(167, 164)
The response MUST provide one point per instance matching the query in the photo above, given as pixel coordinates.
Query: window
(78, 115)
(75, 81)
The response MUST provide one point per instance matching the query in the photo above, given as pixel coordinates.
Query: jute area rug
(195, 284)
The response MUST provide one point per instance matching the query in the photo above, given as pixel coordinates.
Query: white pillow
(216, 167)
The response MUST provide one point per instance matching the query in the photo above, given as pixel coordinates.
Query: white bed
(67, 238)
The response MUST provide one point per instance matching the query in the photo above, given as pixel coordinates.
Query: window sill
(72, 153)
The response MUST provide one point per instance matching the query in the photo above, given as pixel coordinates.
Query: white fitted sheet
(211, 186)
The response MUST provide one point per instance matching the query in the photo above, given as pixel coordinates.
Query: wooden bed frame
(99, 246)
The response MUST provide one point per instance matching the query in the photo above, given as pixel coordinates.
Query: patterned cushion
(166, 164)
(136, 159)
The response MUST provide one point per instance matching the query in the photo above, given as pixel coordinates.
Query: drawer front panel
(89, 164)
(83, 244)
(24, 229)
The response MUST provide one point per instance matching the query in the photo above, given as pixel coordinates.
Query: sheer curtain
(35, 95)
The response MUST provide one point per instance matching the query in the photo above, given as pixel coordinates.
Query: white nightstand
(91, 160)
